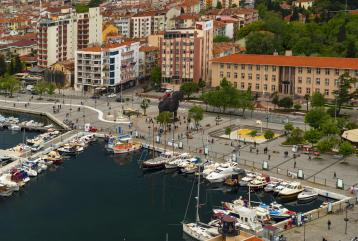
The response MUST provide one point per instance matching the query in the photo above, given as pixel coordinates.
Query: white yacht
(308, 195)
(220, 174)
(176, 161)
(291, 191)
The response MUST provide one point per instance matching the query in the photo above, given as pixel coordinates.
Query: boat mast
(197, 219)
(249, 195)
(173, 132)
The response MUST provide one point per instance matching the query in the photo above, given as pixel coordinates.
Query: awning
(351, 135)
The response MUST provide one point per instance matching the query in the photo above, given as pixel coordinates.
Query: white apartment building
(107, 67)
(147, 23)
(60, 36)
(123, 23)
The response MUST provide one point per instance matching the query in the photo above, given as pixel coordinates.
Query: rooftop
(107, 46)
(292, 61)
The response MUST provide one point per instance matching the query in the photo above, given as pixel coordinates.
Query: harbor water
(98, 196)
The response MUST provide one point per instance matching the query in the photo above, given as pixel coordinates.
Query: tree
(346, 148)
(295, 16)
(275, 98)
(196, 113)
(202, 85)
(221, 38)
(307, 98)
(326, 144)
(329, 127)
(351, 50)
(261, 43)
(317, 99)
(156, 77)
(80, 8)
(144, 105)
(269, 135)
(342, 33)
(10, 83)
(316, 116)
(94, 3)
(189, 88)
(228, 131)
(295, 137)
(312, 136)
(18, 66)
(289, 127)
(219, 5)
(344, 94)
(3, 66)
(50, 88)
(41, 88)
(253, 133)
(164, 118)
(297, 106)
(286, 102)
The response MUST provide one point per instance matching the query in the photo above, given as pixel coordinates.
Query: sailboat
(198, 230)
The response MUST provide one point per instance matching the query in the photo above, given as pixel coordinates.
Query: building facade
(287, 75)
(107, 67)
(185, 53)
(146, 23)
(60, 36)
(148, 59)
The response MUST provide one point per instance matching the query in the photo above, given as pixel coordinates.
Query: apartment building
(287, 75)
(60, 36)
(146, 23)
(148, 59)
(123, 23)
(185, 53)
(108, 66)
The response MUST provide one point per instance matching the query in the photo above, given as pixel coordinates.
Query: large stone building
(107, 67)
(185, 53)
(60, 36)
(287, 75)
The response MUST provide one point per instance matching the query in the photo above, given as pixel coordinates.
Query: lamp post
(346, 219)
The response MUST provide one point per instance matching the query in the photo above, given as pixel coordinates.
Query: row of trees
(227, 96)
(15, 65)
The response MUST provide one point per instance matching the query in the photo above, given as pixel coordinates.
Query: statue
(171, 103)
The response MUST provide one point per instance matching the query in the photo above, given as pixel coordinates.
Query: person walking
(269, 157)
(329, 224)
(294, 165)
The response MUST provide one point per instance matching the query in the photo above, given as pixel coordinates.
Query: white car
(113, 95)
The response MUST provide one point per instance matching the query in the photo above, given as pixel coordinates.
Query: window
(300, 70)
(235, 75)
(318, 81)
(257, 67)
(356, 72)
(221, 66)
(228, 74)
(257, 77)
(242, 66)
(326, 82)
(308, 80)
(250, 76)
(336, 82)
(242, 85)
(249, 67)
(318, 71)
(308, 90)
(274, 68)
(299, 79)
(242, 76)
(299, 90)
(337, 71)
(273, 88)
(266, 77)
(326, 92)
(317, 90)
(249, 86)
(327, 71)
(221, 74)
(273, 77)
(265, 87)
(257, 86)
(266, 67)
(236, 66)
(309, 70)
(228, 66)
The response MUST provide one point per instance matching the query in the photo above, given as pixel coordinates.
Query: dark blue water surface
(10, 138)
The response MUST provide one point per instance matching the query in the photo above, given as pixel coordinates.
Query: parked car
(112, 95)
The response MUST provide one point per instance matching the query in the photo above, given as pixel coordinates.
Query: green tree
(202, 85)
(275, 98)
(269, 135)
(297, 106)
(164, 118)
(317, 99)
(10, 83)
(286, 102)
(189, 88)
(316, 116)
(344, 94)
(326, 144)
(18, 66)
(351, 50)
(219, 5)
(196, 113)
(94, 3)
(289, 127)
(51, 87)
(228, 131)
(341, 33)
(295, 137)
(312, 136)
(346, 148)
(156, 77)
(144, 105)
(3, 66)
(41, 88)
(261, 43)
(253, 133)
(221, 39)
(329, 127)
(295, 16)
(80, 8)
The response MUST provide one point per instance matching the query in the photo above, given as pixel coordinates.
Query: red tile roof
(148, 48)
(293, 61)
(106, 46)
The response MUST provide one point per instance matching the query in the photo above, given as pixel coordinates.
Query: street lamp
(346, 219)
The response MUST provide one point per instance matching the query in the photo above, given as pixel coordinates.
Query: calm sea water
(98, 196)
